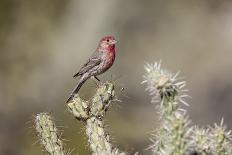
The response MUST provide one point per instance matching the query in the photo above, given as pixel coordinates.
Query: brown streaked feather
(92, 62)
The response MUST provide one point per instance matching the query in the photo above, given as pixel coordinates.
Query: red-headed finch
(100, 61)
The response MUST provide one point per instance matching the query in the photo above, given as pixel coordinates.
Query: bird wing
(92, 62)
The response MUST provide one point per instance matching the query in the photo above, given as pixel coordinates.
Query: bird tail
(76, 89)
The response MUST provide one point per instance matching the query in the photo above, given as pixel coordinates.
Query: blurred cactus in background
(175, 136)
(165, 88)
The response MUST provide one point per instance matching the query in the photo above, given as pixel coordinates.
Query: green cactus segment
(166, 90)
(175, 136)
(200, 141)
(177, 132)
(48, 134)
(98, 140)
(102, 99)
(79, 108)
(221, 140)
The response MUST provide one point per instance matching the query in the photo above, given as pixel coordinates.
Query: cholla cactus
(48, 134)
(175, 136)
(166, 89)
(200, 141)
(220, 140)
(79, 108)
(98, 140)
(92, 113)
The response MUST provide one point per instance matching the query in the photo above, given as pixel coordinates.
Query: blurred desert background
(43, 43)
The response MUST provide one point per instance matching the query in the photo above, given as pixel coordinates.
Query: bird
(99, 62)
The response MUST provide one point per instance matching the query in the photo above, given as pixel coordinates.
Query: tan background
(43, 43)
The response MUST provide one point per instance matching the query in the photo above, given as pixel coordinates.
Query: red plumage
(100, 61)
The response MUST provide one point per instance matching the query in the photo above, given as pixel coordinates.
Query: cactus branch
(48, 134)
(92, 113)
(168, 91)
(221, 140)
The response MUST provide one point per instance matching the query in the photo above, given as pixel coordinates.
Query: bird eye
(107, 40)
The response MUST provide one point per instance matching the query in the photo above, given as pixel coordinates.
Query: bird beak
(113, 42)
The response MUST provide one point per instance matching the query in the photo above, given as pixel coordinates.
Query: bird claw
(97, 81)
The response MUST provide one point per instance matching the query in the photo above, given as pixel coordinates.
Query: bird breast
(108, 60)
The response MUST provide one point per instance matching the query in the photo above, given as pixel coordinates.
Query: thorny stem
(165, 89)
(221, 140)
(92, 113)
(175, 136)
(47, 132)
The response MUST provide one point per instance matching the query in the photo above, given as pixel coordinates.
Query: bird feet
(97, 81)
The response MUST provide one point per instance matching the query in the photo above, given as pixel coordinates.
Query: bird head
(107, 43)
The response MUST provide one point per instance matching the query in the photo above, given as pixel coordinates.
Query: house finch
(100, 61)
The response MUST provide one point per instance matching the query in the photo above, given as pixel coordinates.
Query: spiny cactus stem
(47, 133)
(92, 113)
